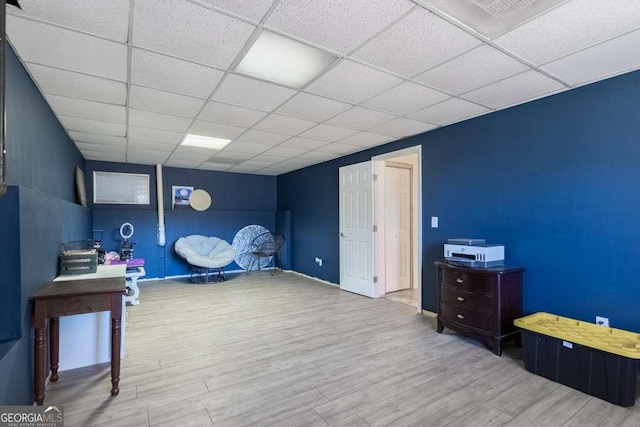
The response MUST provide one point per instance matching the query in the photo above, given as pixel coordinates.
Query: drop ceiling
(128, 79)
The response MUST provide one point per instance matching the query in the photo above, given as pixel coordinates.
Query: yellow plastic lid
(611, 340)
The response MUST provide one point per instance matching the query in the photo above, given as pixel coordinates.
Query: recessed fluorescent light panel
(200, 141)
(493, 18)
(282, 60)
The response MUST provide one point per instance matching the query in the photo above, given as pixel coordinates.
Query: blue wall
(555, 180)
(41, 162)
(238, 200)
(10, 313)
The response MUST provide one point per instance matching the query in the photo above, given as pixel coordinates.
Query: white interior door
(397, 228)
(356, 229)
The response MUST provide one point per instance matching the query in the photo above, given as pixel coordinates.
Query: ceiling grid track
(359, 100)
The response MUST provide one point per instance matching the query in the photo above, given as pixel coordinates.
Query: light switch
(434, 222)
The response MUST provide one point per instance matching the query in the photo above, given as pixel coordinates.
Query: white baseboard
(326, 282)
(428, 313)
(182, 276)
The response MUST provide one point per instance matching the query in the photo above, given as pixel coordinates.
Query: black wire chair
(266, 246)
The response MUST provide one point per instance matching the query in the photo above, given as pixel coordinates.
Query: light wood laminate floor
(407, 297)
(289, 351)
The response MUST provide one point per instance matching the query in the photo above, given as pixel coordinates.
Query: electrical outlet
(319, 261)
(602, 321)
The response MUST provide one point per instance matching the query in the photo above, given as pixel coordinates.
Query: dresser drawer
(468, 282)
(465, 317)
(467, 300)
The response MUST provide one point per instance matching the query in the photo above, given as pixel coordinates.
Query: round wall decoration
(200, 200)
(242, 245)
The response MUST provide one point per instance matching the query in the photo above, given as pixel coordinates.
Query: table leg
(40, 339)
(133, 284)
(54, 346)
(116, 316)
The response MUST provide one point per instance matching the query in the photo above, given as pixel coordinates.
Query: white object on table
(132, 282)
(85, 339)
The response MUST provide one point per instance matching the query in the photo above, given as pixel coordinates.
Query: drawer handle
(459, 280)
(460, 316)
(460, 298)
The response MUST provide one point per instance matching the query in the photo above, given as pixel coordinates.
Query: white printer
(473, 253)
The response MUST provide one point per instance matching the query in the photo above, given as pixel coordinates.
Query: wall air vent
(493, 18)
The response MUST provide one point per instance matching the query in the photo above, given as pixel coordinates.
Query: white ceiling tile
(230, 115)
(328, 133)
(244, 147)
(312, 107)
(264, 138)
(195, 153)
(416, 43)
(90, 146)
(609, 58)
(150, 146)
(212, 166)
(516, 89)
(570, 27)
(251, 9)
(189, 31)
(336, 24)
(285, 152)
(318, 156)
(242, 91)
(274, 171)
(108, 19)
(360, 118)
(353, 82)
(48, 45)
(303, 143)
(366, 139)
(297, 162)
(474, 69)
(243, 169)
(338, 148)
(148, 119)
(450, 111)
(402, 127)
(215, 130)
(406, 98)
(175, 75)
(159, 101)
(178, 162)
(270, 158)
(98, 139)
(105, 156)
(75, 85)
(146, 157)
(154, 135)
(93, 126)
(258, 164)
(87, 109)
(284, 125)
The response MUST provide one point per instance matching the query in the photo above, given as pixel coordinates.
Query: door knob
(341, 234)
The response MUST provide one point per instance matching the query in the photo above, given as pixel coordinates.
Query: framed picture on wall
(180, 196)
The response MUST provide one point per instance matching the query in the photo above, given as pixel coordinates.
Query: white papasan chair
(205, 255)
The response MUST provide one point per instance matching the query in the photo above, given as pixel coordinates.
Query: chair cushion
(207, 252)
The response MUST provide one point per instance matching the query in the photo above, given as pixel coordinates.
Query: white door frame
(379, 239)
(407, 167)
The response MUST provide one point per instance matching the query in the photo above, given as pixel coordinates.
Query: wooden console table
(55, 299)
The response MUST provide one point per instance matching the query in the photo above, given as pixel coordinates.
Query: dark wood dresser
(480, 302)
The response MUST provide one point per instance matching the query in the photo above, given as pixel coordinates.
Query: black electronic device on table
(126, 250)
(97, 245)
